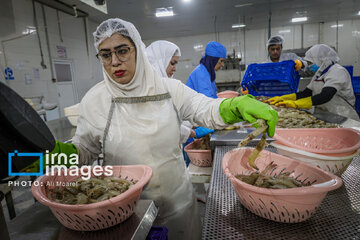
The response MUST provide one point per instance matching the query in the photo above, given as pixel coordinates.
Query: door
(65, 85)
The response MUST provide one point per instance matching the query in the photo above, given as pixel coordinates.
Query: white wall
(87, 71)
(23, 54)
(255, 43)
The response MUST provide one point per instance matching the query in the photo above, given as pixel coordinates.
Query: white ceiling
(198, 16)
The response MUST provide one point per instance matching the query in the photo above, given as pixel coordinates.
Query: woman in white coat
(330, 88)
(133, 117)
(164, 56)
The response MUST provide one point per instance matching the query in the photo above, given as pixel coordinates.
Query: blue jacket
(200, 81)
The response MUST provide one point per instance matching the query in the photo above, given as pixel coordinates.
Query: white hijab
(322, 55)
(144, 82)
(160, 53)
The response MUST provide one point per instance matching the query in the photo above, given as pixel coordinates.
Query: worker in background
(330, 88)
(275, 45)
(164, 56)
(202, 79)
(133, 117)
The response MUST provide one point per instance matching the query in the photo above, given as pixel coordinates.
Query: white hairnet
(143, 81)
(321, 54)
(160, 53)
(275, 40)
(115, 25)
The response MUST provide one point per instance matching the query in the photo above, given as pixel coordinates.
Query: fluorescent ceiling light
(198, 47)
(299, 19)
(339, 25)
(164, 12)
(186, 0)
(358, 12)
(238, 25)
(29, 30)
(285, 31)
(243, 5)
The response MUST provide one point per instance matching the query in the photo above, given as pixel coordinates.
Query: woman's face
(118, 55)
(171, 68)
(219, 64)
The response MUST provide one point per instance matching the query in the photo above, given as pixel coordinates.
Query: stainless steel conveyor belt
(338, 217)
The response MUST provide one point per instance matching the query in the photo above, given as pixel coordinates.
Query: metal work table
(38, 223)
(232, 137)
(61, 129)
(338, 217)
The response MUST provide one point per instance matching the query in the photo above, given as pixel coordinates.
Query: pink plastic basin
(280, 205)
(328, 141)
(200, 158)
(101, 215)
(227, 94)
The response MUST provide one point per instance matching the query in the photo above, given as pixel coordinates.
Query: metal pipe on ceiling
(59, 26)
(337, 36)
(47, 41)
(269, 30)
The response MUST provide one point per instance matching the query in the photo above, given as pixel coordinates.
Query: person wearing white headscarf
(133, 117)
(330, 88)
(164, 56)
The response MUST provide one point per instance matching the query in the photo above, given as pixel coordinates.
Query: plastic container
(227, 94)
(157, 233)
(271, 79)
(95, 216)
(328, 141)
(72, 114)
(200, 158)
(350, 69)
(333, 164)
(280, 205)
(356, 88)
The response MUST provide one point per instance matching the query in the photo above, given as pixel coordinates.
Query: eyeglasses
(122, 53)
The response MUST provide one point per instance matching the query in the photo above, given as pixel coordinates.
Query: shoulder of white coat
(172, 85)
(337, 71)
(95, 104)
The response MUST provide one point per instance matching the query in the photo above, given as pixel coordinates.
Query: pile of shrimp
(93, 190)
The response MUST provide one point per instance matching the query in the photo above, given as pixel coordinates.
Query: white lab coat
(337, 77)
(159, 54)
(139, 123)
(343, 101)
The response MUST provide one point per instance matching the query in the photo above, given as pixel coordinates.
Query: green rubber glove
(67, 148)
(246, 108)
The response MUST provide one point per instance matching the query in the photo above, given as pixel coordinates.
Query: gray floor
(22, 198)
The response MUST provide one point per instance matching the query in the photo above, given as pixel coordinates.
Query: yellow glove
(277, 99)
(244, 92)
(301, 103)
(298, 65)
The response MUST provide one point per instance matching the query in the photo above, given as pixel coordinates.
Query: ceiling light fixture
(164, 12)
(299, 19)
(186, 1)
(358, 13)
(243, 5)
(285, 31)
(238, 25)
(198, 47)
(338, 25)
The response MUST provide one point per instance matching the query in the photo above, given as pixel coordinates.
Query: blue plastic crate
(357, 103)
(157, 233)
(350, 70)
(271, 79)
(356, 84)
